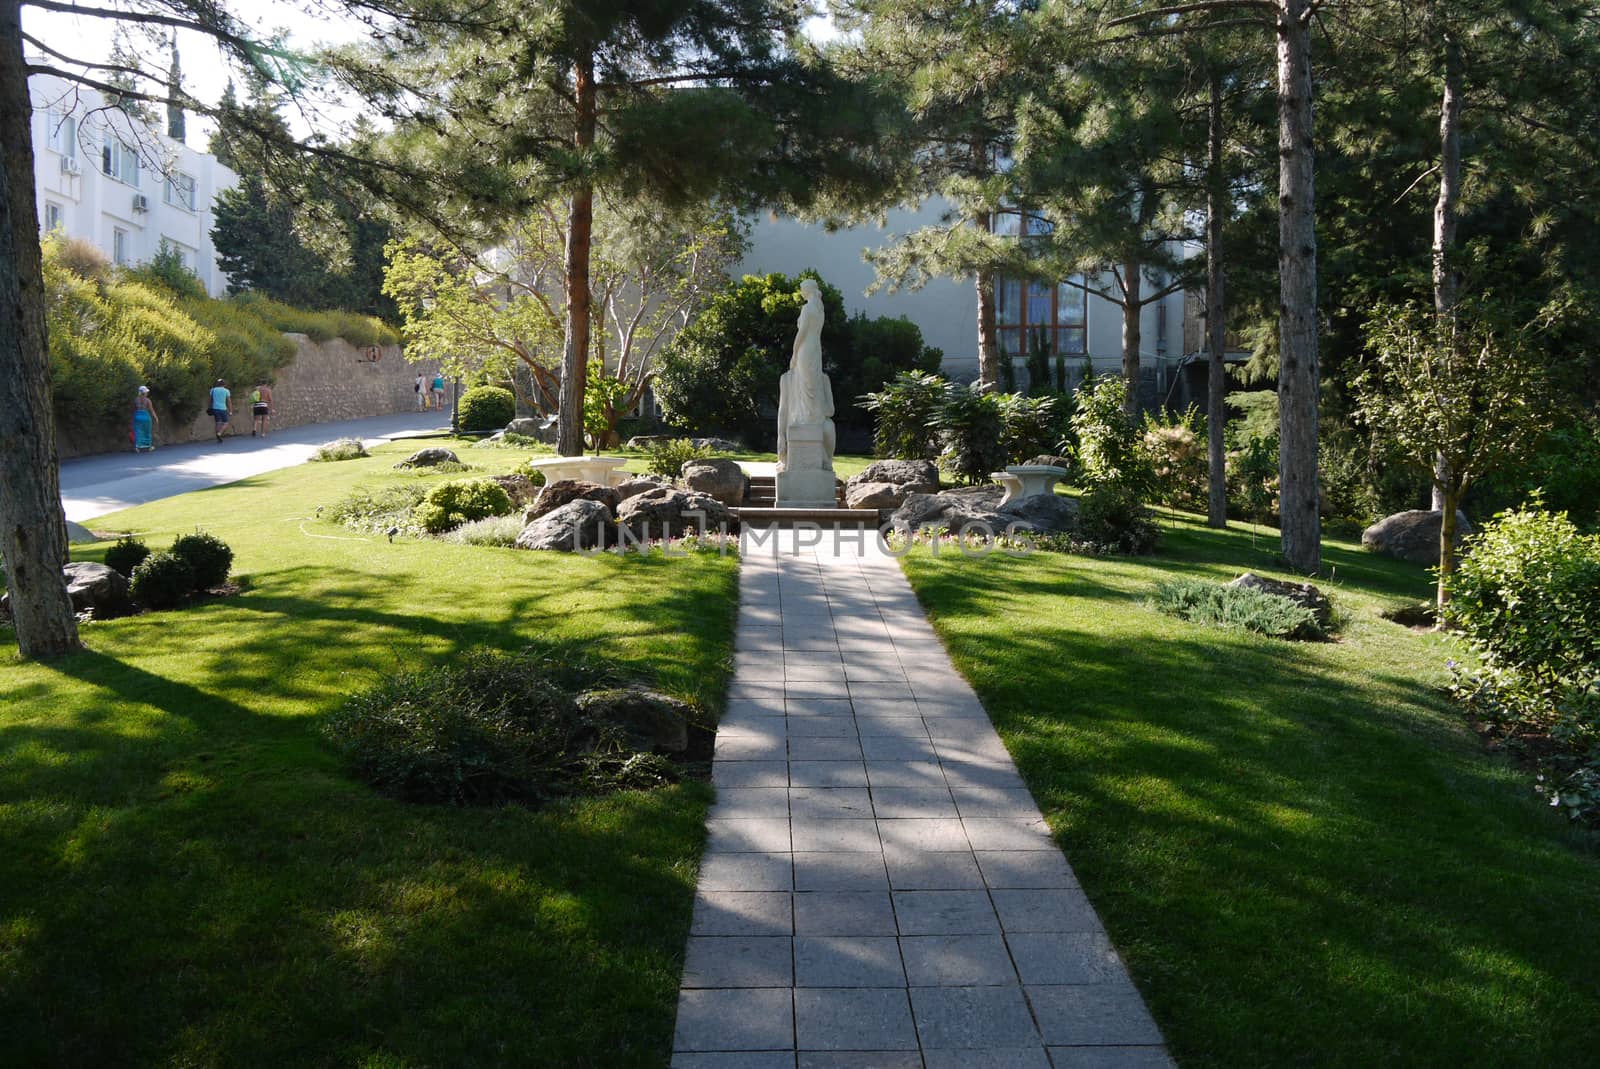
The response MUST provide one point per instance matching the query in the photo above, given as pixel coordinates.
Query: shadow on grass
(1304, 855)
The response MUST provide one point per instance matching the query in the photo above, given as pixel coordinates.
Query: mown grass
(190, 878)
(1305, 855)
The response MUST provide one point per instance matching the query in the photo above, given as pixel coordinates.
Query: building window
(1022, 309)
(119, 246)
(62, 134)
(120, 161)
(180, 191)
(52, 217)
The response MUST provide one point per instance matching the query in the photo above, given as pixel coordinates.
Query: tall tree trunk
(1450, 499)
(1132, 289)
(1297, 313)
(33, 529)
(988, 342)
(1445, 208)
(1216, 320)
(580, 228)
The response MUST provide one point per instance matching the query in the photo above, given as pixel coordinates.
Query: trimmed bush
(207, 556)
(904, 410)
(491, 531)
(970, 425)
(492, 728)
(1239, 607)
(162, 581)
(379, 510)
(451, 504)
(1109, 447)
(126, 555)
(341, 449)
(486, 408)
(1113, 520)
(669, 457)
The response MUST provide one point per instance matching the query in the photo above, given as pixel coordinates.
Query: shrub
(486, 408)
(1253, 610)
(1253, 480)
(379, 510)
(207, 556)
(1176, 455)
(905, 411)
(1113, 520)
(1029, 426)
(668, 458)
(490, 531)
(126, 554)
(1109, 448)
(355, 328)
(341, 449)
(494, 728)
(970, 426)
(451, 504)
(161, 581)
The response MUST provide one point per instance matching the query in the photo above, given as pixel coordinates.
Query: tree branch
(1201, 6)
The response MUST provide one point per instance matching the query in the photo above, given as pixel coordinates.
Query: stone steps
(768, 516)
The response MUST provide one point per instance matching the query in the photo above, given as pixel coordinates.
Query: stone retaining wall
(325, 383)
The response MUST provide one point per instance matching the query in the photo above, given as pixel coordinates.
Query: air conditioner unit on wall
(141, 203)
(69, 166)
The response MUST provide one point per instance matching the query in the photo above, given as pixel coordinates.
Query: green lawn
(188, 877)
(1306, 857)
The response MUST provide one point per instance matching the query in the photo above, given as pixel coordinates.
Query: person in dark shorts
(261, 409)
(221, 406)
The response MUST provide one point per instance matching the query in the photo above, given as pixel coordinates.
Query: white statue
(805, 415)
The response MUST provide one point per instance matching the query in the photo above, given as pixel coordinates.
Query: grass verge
(1304, 854)
(189, 877)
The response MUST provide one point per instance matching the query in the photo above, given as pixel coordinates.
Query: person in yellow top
(261, 409)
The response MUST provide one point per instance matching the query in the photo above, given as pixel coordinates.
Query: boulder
(1044, 513)
(637, 485)
(953, 508)
(875, 495)
(77, 532)
(1049, 461)
(95, 587)
(579, 524)
(1412, 535)
(564, 491)
(652, 720)
(664, 512)
(912, 476)
(1303, 594)
(519, 488)
(427, 458)
(721, 479)
(716, 445)
(545, 429)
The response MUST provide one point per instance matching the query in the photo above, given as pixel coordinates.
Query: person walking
(422, 399)
(261, 408)
(221, 407)
(438, 391)
(145, 422)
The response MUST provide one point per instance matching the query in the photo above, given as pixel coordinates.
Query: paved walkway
(879, 890)
(94, 486)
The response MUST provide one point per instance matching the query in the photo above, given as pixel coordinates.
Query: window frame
(51, 208)
(118, 159)
(62, 136)
(119, 246)
(173, 190)
(1067, 337)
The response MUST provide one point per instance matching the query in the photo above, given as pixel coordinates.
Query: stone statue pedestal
(806, 477)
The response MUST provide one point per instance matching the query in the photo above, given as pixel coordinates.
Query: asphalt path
(94, 486)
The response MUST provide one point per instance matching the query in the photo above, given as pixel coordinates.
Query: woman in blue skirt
(144, 422)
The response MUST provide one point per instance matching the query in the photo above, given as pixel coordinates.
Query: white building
(121, 185)
(1078, 324)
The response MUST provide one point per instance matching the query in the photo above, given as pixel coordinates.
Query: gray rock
(653, 721)
(77, 532)
(1044, 513)
(1303, 594)
(427, 458)
(544, 428)
(665, 512)
(95, 587)
(953, 508)
(911, 476)
(716, 445)
(638, 485)
(1047, 460)
(1412, 535)
(564, 491)
(519, 488)
(579, 524)
(721, 479)
(875, 495)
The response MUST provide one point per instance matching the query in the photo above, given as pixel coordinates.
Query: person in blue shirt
(221, 406)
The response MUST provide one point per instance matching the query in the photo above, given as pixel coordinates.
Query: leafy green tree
(1458, 395)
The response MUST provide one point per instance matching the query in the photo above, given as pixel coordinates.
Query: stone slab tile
(921, 870)
(890, 803)
(1110, 1058)
(843, 913)
(753, 774)
(823, 749)
(825, 707)
(746, 872)
(860, 1059)
(825, 773)
(1065, 958)
(1045, 911)
(766, 835)
(838, 727)
(945, 913)
(905, 774)
(745, 803)
(853, 1018)
(956, 961)
(1012, 1058)
(996, 803)
(746, 1059)
(993, 833)
(838, 803)
(817, 835)
(916, 833)
(744, 913)
(1025, 869)
(973, 1018)
(738, 961)
(839, 871)
(1075, 1015)
(848, 961)
(734, 1019)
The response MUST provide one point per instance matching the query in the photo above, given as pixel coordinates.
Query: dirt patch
(1415, 617)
